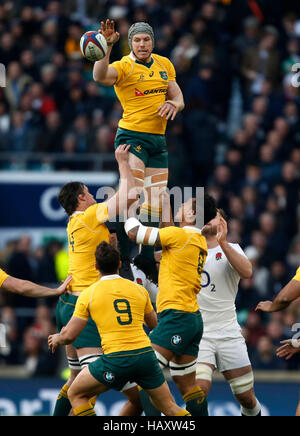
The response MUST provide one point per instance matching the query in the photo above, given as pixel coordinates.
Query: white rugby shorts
(225, 349)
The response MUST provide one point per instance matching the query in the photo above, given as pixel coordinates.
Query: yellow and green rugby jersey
(85, 232)
(297, 276)
(184, 251)
(141, 89)
(3, 276)
(117, 306)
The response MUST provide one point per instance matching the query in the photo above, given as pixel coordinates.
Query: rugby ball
(93, 46)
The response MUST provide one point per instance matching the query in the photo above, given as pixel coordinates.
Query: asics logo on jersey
(151, 74)
(176, 339)
(109, 376)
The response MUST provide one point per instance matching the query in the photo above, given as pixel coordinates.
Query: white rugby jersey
(217, 296)
(141, 279)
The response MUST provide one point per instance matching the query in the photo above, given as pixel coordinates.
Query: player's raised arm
(30, 289)
(102, 72)
(127, 193)
(240, 263)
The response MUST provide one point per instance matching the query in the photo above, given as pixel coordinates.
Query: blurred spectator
(264, 356)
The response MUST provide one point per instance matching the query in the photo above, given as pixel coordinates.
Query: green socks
(63, 405)
(196, 402)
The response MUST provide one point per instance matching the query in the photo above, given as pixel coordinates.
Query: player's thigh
(86, 385)
(137, 167)
(156, 179)
(232, 354)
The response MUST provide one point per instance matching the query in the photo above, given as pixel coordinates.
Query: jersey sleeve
(96, 215)
(170, 237)
(123, 68)
(171, 71)
(82, 306)
(3, 276)
(296, 277)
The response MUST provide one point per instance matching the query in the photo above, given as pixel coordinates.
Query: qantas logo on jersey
(218, 256)
(139, 93)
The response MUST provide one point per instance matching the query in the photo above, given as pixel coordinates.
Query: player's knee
(243, 384)
(204, 375)
(247, 399)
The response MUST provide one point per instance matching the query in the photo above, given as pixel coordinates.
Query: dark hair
(210, 208)
(68, 196)
(107, 258)
(148, 266)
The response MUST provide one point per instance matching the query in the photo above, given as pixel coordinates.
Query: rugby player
(145, 84)
(222, 345)
(178, 333)
(119, 308)
(86, 229)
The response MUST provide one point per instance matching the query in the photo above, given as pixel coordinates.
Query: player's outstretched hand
(168, 110)
(108, 31)
(290, 347)
(264, 306)
(62, 289)
(122, 153)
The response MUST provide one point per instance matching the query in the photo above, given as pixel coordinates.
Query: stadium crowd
(239, 136)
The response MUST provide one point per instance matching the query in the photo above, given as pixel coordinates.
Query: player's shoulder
(161, 59)
(124, 62)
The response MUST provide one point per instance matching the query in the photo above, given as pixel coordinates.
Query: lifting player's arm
(103, 72)
(127, 193)
(238, 262)
(140, 234)
(174, 102)
(285, 297)
(30, 289)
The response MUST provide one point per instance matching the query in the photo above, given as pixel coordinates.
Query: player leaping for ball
(145, 84)
(178, 333)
